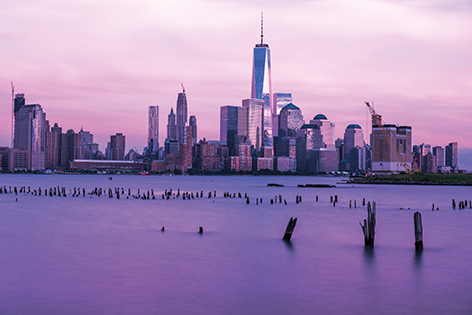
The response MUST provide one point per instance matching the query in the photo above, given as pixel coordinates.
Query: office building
(193, 124)
(250, 122)
(186, 146)
(229, 126)
(280, 100)
(181, 116)
(438, 153)
(451, 155)
(86, 144)
(391, 149)
(261, 88)
(153, 132)
(14, 159)
(354, 141)
(171, 127)
(30, 134)
(117, 147)
(290, 121)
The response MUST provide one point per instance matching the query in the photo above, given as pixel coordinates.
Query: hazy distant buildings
(438, 153)
(117, 147)
(153, 132)
(30, 134)
(86, 144)
(171, 126)
(181, 116)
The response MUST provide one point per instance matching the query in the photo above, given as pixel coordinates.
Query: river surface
(101, 255)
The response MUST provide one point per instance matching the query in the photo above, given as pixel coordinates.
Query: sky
(99, 64)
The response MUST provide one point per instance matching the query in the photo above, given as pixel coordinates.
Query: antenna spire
(262, 27)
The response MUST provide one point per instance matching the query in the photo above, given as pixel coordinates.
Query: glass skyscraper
(181, 116)
(153, 131)
(261, 87)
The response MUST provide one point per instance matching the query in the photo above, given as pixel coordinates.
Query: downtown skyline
(412, 61)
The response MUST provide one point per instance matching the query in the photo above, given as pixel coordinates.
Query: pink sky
(100, 64)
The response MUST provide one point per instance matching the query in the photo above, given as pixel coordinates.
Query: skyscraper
(171, 127)
(229, 126)
(30, 133)
(193, 124)
(181, 115)
(250, 121)
(290, 121)
(261, 87)
(280, 100)
(451, 155)
(117, 147)
(153, 132)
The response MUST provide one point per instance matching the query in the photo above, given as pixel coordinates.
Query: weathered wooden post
(163, 229)
(316, 198)
(418, 231)
(200, 230)
(289, 230)
(369, 225)
(363, 201)
(350, 205)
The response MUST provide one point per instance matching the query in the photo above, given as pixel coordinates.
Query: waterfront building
(86, 144)
(354, 139)
(451, 155)
(290, 121)
(30, 134)
(171, 147)
(261, 88)
(429, 163)
(391, 148)
(264, 163)
(193, 124)
(229, 126)
(12, 159)
(438, 153)
(206, 157)
(153, 132)
(186, 149)
(171, 127)
(117, 147)
(181, 116)
(104, 165)
(250, 121)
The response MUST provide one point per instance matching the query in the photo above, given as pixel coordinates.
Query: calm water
(107, 256)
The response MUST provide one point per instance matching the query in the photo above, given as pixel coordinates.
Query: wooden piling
(289, 230)
(418, 231)
(369, 225)
(200, 230)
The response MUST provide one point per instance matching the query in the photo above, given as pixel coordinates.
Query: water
(107, 256)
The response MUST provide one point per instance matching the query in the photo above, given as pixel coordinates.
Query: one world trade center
(261, 87)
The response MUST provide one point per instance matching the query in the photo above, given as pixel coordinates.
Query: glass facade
(280, 100)
(181, 116)
(153, 131)
(250, 119)
(290, 121)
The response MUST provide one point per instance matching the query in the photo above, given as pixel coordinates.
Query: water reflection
(418, 259)
(369, 256)
(288, 245)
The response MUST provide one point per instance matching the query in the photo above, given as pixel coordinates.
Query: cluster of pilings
(462, 204)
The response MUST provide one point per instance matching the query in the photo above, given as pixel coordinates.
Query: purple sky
(100, 64)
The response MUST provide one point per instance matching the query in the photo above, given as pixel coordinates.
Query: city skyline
(414, 64)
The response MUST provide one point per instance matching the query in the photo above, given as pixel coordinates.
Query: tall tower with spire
(181, 115)
(261, 87)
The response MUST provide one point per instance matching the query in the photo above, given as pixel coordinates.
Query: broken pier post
(418, 231)
(369, 225)
(289, 230)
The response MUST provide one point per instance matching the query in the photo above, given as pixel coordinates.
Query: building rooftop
(290, 106)
(320, 116)
(353, 126)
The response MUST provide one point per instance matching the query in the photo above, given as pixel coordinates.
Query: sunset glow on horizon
(100, 64)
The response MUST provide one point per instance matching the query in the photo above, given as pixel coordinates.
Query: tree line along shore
(416, 179)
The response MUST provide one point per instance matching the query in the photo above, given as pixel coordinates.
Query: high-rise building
(171, 127)
(290, 121)
(186, 146)
(54, 147)
(451, 155)
(193, 124)
(261, 87)
(280, 100)
(181, 116)
(18, 102)
(391, 148)
(153, 132)
(323, 136)
(117, 147)
(250, 121)
(30, 134)
(229, 126)
(354, 138)
(438, 153)
(86, 144)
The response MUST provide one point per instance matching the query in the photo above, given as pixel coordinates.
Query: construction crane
(377, 120)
